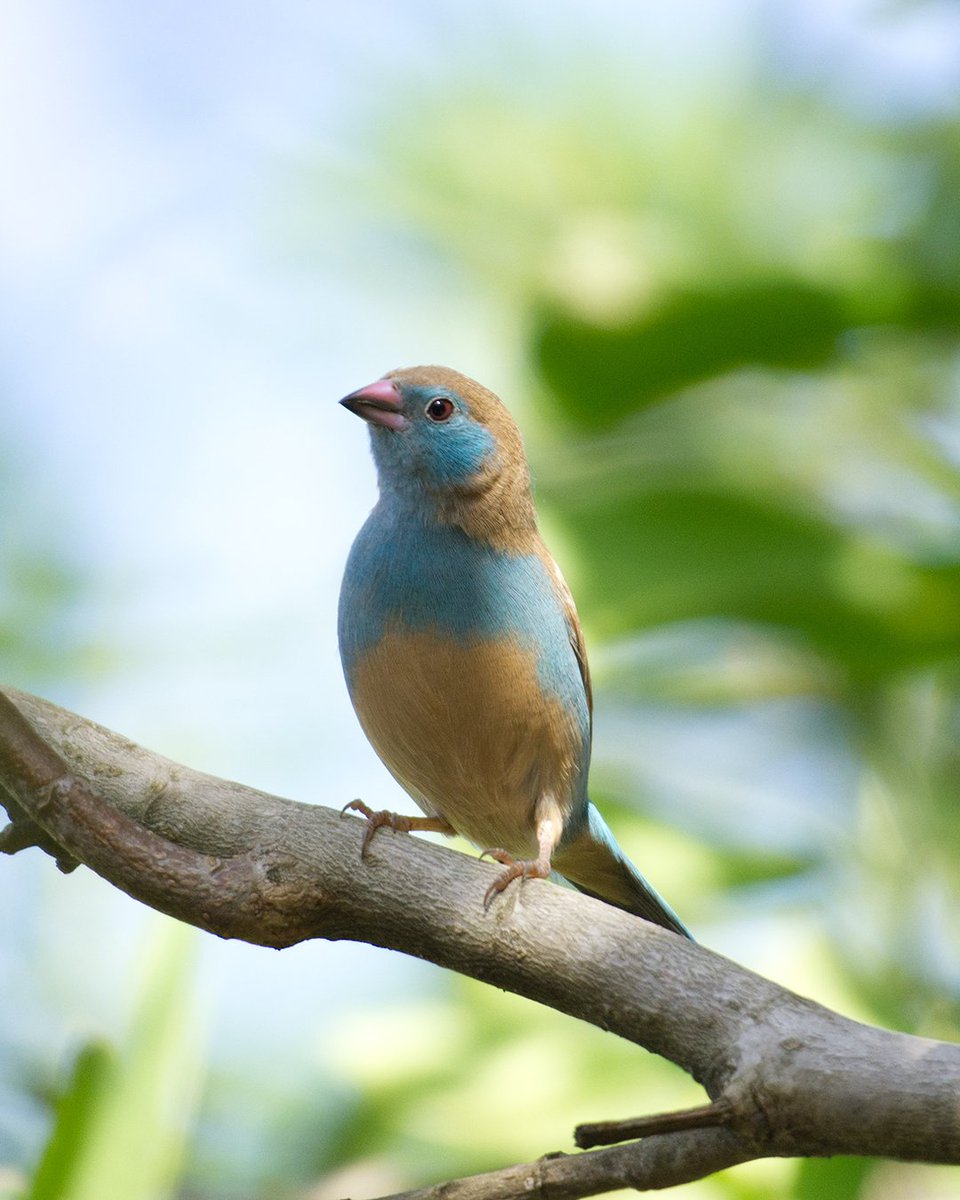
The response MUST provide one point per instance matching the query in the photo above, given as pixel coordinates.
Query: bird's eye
(440, 408)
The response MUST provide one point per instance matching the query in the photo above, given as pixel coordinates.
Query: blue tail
(595, 865)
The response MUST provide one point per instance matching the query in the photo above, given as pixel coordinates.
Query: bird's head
(448, 443)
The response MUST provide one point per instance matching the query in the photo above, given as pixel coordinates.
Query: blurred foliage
(73, 1132)
(123, 1119)
(687, 337)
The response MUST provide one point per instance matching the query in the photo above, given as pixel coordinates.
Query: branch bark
(787, 1076)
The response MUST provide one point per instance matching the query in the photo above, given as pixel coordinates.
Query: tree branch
(660, 1162)
(605, 1133)
(792, 1077)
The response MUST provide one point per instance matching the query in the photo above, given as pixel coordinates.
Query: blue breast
(421, 575)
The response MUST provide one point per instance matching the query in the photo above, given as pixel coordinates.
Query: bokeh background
(710, 253)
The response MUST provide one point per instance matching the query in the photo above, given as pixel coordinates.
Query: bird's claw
(516, 868)
(497, 853)
(357, 806)
(376, 820)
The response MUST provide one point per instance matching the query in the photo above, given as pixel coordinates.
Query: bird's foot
(395, 821)
(516, 868)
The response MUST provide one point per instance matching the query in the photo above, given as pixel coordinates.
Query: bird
(461, 646)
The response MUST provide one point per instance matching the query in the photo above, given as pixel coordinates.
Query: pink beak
(379, 403)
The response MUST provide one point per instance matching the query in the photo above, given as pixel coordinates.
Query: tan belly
(467, 730)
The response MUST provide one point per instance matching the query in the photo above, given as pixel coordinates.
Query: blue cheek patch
(432, 455)
(451, 453)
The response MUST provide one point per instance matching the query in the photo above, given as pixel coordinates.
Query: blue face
(441, 445)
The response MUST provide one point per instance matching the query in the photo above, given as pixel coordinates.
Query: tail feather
(595, 865)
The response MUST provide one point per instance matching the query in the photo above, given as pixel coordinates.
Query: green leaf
(94, 1073)
(121, 1124)
(662, 554)
(832, 1178)
(600, 374)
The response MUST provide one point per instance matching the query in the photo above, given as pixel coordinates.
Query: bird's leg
(549, 829)
(396, 822)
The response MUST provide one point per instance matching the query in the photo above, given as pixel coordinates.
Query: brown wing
(573, 625)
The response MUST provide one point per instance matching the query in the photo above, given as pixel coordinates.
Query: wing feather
(573, 624)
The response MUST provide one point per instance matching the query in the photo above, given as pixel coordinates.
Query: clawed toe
(502, 881)
(358, 806)
(395, 821)
(376, 820)
(516, 868)
(498, 854)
